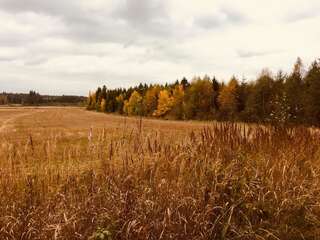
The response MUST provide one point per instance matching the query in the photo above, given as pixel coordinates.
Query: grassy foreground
(221, 181)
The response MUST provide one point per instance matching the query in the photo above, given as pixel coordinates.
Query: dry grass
(155, 179)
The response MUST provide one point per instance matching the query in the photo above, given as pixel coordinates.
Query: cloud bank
(70, 47)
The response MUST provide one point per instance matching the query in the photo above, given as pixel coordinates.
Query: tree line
(34, 98)
(280, 98)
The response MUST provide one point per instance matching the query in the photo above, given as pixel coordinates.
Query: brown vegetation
(153, 179)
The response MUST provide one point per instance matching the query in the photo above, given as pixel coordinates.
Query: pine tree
(311, 97)
(293, 89)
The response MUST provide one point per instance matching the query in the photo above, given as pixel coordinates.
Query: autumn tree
(281, 110)
(293, 89)
(259, 104)
(177, 104)
(104, 92)
(216, 89)
(103, 105)
(229, 99)
(283, 98)
(165, 103)
(134, 105)
(120, 103)
(111, 101)
(91, 102)
(312, 94)
(199, 98)
(185, 84)
(150, 100)
(3, 99)
(98, 99)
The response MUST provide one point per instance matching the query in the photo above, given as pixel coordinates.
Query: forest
(35, 98)
(282, 98)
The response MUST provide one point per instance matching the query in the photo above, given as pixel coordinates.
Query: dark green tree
(312, 94)
(293, 88)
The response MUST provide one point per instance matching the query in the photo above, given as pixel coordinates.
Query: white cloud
(72, 46)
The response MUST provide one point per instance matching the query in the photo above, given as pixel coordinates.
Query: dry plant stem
(138, 181)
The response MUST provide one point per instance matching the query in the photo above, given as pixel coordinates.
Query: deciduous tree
(229, 99)
(165, 103)
(134, 105)
(150, 100)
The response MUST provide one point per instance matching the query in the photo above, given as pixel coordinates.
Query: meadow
(68, 173)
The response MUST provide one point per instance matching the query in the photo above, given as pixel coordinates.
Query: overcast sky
(72, 46)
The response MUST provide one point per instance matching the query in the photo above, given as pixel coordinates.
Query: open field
(152, 179)
(77, 122)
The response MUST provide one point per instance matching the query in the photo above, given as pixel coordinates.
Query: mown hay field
(67, 173)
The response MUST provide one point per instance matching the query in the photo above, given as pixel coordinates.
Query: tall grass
(225, 181)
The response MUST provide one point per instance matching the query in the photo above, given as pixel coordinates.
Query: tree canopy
(281, 98)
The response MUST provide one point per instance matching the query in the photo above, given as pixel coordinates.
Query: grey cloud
(147, 17)
(142, 11)
(13, 39)
(208, 22)
(138, 40)
(7, 59)
(233, 16)
(41, 6)
(224, 17)
(132, 21)
(79, 24)
(250, 54)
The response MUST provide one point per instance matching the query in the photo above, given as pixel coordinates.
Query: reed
(223, 181)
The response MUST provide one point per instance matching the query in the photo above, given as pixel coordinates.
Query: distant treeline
(281, 98)
(34, 98)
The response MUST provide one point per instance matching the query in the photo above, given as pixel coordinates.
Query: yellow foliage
(120, 98)
(199, 99)
(165, 103)
(134, 105)
(125, 107)
(91, 100)
(178, 94)
(228, 96)
(103, 105)
(3, 99)
(151, 100)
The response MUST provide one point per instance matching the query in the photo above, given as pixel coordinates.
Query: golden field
(132, 178)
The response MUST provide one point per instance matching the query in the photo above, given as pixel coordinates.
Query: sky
(73, 46)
